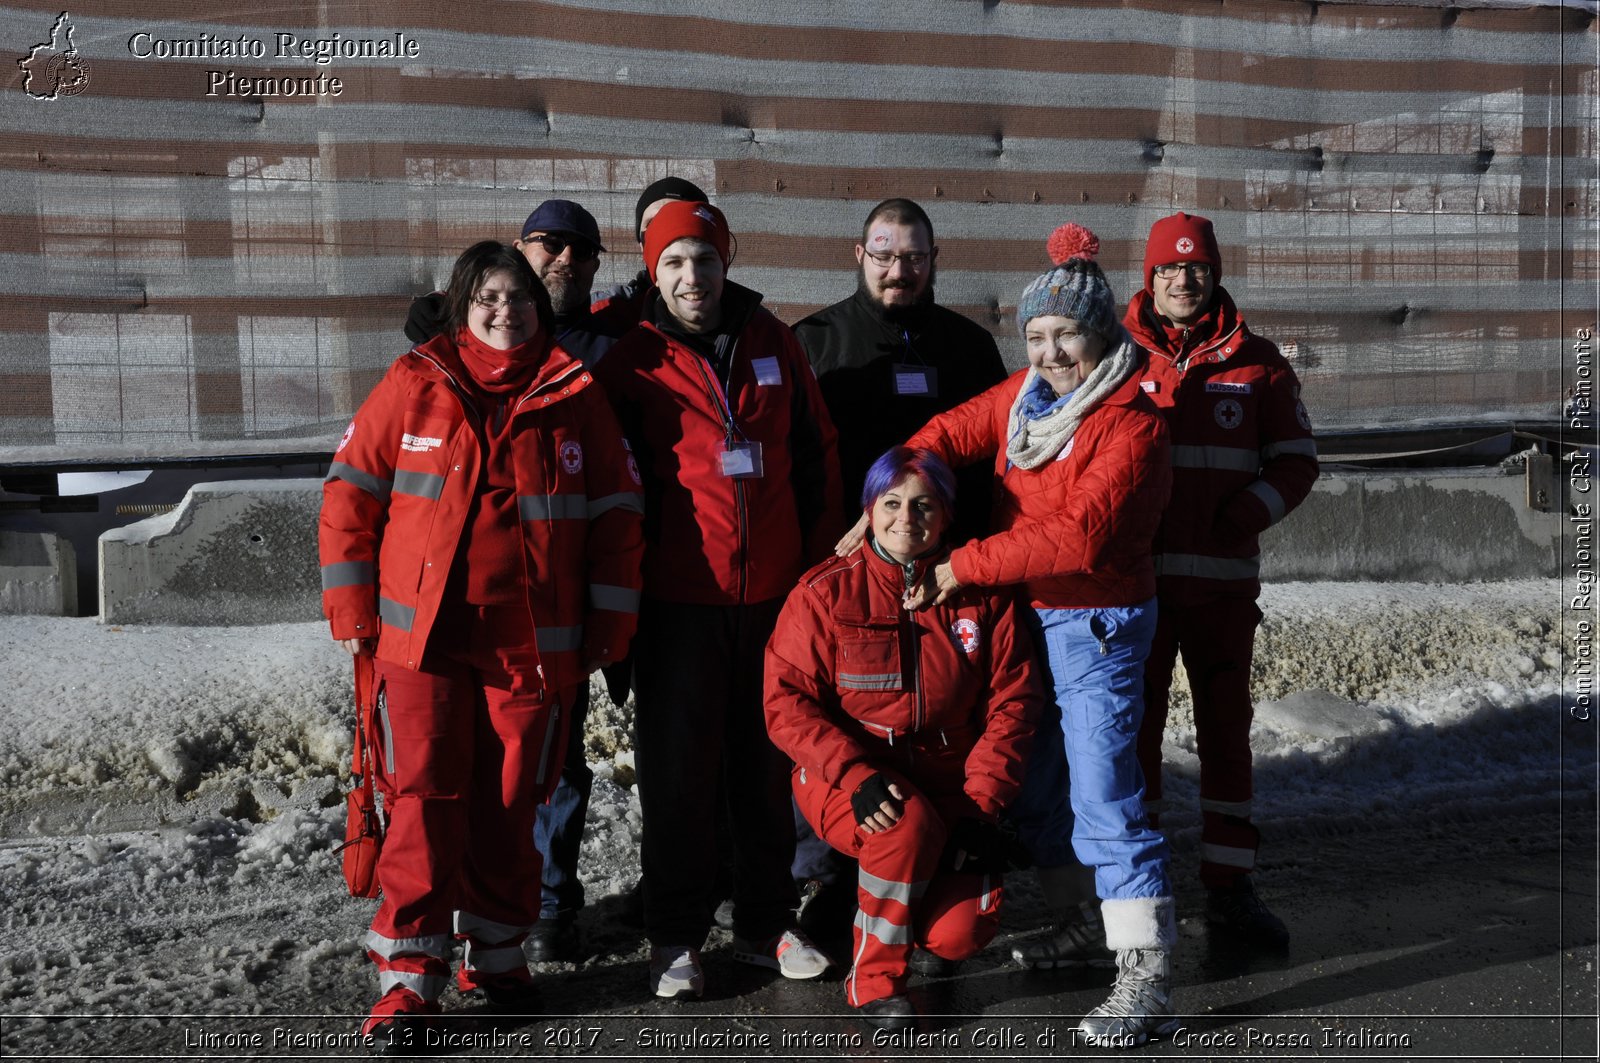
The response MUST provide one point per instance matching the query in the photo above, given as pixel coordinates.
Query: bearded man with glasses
(1242, 458)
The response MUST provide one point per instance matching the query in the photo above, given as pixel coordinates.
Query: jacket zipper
(725, 411)
(908, 646)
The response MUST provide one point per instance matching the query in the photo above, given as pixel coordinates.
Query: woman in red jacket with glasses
(480, 537)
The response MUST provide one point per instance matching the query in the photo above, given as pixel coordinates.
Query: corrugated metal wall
(1404, 193)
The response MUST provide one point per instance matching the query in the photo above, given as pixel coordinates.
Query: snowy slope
(169, 796)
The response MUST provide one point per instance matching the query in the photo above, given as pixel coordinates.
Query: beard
(923, 300)
(567, 296)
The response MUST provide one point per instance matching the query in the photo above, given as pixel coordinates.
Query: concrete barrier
(245, 551)
(38, 574)
(234, 552)
(1427, 525)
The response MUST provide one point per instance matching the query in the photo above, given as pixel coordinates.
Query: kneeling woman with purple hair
(908, 731)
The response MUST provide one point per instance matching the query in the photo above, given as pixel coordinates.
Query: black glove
(429, 316)
(869, 796)
(976, 847)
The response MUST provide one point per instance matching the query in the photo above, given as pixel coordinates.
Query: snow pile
(170, 798)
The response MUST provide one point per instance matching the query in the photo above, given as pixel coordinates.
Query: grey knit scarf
(1032, 443)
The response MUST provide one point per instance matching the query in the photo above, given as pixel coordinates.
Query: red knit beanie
(679, 219)
(1182, 238)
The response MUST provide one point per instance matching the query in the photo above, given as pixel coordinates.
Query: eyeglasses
(495, 302)
(1198, 270)
(914, 259)
(582, 250)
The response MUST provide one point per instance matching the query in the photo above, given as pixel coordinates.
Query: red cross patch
(966, 635)
(1185, 245)
(572, 457)
(1229, 414)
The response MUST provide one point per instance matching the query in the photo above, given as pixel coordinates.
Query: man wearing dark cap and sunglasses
(561, 241)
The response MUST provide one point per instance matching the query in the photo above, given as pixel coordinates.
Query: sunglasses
(582, 250)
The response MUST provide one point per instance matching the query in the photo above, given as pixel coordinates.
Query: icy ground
(169, 797)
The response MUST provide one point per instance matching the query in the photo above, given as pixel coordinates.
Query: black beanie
(666, 188)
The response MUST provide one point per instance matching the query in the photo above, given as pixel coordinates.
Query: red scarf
(497, 371)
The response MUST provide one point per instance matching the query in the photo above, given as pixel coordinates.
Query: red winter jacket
(1076, 531)
(396, 499)
(714, 539)
(855, 683)
(1242, 451)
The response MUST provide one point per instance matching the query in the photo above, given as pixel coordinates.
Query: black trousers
(701, 737)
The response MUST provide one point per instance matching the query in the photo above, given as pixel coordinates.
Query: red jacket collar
(1219, 325)
(559, 368)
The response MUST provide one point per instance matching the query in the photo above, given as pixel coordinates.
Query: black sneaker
(1237, 910)
(555, 939)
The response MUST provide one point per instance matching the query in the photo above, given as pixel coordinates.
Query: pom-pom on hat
(1182, 238)
(1075, 288)
(677, 220)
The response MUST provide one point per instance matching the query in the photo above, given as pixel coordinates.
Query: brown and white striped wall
(1405, 192)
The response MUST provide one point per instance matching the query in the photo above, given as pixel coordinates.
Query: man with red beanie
(741, 494)
(1242, 457)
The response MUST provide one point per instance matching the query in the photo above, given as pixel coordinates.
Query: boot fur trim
(1139, 923)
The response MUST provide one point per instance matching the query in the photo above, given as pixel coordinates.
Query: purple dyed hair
(898, 462)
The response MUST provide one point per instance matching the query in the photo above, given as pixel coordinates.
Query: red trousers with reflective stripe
(1216, 640)
(906, 898)
(469, 747)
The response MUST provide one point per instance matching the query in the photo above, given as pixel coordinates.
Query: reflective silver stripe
(435, 945)
(421, 484)
(1208, 567)
(1306, 448)
(347, 574)
(1227, 808)
(1230, 855)
(888, 890)
(396, 615)
(375, 486)
(885, 930)
(1270, 498)
(556, 639)
(989, 897)
(493, 961)
(553, 507)
(617, 599)
(1236, 459)
(886, 681)
(629, 500)
(426, 986)
(486, 930)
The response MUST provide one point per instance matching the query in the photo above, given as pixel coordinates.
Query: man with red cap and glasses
(741, 486)
(1242, 457)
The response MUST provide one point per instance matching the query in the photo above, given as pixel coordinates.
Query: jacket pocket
(867, 659)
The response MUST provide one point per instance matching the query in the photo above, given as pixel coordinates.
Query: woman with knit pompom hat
(1081, 456)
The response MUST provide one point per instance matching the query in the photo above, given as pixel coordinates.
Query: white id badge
(741, 460)
(916, 380)
(767, 371)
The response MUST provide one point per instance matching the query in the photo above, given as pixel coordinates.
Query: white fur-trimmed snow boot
(1142, 931)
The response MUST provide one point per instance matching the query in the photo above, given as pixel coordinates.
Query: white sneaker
(791, 954)
(675, 971)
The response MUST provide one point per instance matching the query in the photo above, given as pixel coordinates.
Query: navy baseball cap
(563, 216)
